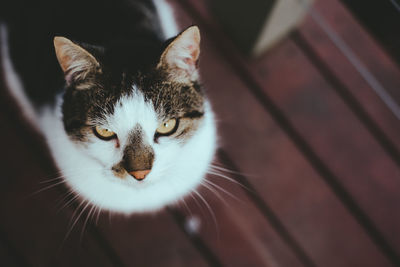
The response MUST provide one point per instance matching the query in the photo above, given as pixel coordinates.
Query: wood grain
(302, 181)
(31, 220)
(354, 73)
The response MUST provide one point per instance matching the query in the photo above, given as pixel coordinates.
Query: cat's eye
(168, 127)
(104, 133)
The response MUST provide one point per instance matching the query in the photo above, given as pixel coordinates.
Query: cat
(115, 91)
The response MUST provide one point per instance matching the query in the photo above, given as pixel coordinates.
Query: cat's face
(139, 138)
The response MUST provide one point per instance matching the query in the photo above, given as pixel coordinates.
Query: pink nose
(139, 175)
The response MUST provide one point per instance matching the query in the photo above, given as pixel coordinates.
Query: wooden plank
(284, 178)
(252, 241)
(232, 226)
(149, 240)
(357, 88)
(286, 181)
(376, 210)
(32, 222)
(371, 14)
(363, 45)
(336, 135)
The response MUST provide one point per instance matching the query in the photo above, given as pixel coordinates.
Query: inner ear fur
(181, 56)
(75, 61)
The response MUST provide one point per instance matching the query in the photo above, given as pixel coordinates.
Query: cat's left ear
(181, 56)
(76, 63)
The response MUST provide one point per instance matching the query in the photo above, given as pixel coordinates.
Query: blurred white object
(285, 15)
(192, 225)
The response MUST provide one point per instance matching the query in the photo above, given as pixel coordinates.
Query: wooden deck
(310, 130)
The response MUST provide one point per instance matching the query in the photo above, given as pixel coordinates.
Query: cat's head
(141, 131)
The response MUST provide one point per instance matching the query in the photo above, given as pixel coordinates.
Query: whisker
(219, 168)
(65, 172)
(98, 214)
(223, 190)
(223, 169)
(67, 194)
(52, 174)
(76, 210)
(66, 236)
(214, 218)
(186, 206)
(85, 222)
(214, 192)
(77, 218)
(63, 181)
(109, 217)
(52, 179)
(196, 201)
(69, 203)
(158, 96)
(72, 217)
(46, 188)
(217, 174)
(78, 171)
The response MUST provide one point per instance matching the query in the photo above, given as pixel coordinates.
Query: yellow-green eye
(103, 133)
(167, 127)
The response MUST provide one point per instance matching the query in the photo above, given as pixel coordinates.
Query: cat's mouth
(120, 171)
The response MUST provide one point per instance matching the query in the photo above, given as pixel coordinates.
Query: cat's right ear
(76, 62)
(181, 56)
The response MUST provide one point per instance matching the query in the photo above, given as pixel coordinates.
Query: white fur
(13, 81)
(166, 16)
(177, 170)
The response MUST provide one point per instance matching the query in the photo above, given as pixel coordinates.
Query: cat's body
(124, 116)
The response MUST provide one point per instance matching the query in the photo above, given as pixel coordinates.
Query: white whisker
(223, 190)
(219, 168)
(186, 206)
(195, 200)
(209, 209)
(217, 174)
(77, 217)
(65, 172)
(69, 202)
(52, 179)
(66, 195)
(86, 221)
(213, 191)
(46, 188)
(98, 214)
(109, 217)
(223, 169)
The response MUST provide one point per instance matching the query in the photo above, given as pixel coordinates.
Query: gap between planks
(325, 173)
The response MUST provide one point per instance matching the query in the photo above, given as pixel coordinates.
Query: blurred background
(307, 97)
